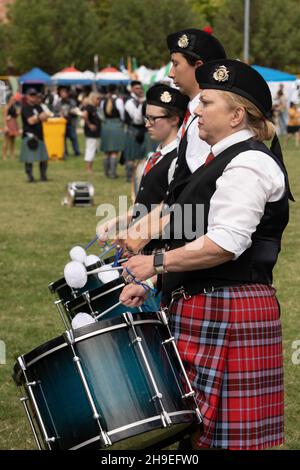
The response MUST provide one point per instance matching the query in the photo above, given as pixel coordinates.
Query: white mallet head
(78, 254)
(91, 259)
(82, 319)
(75, 274)
(107, 276)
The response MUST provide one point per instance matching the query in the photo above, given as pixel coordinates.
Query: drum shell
(118, 384)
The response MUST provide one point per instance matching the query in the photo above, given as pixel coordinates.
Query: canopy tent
(273, 75)
(274, 78)
(35, 76)
(112, 75)
(72, 76)
(149, 77)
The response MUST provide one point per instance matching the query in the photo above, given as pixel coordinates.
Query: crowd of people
(286, 114)
(112, 121)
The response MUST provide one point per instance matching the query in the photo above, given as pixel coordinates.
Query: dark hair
(135, 82)
(111, 88)
(172, 113)
(191, 60)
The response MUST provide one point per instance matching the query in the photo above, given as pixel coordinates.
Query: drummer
(224, 312)
(165, 110)
(189, 49)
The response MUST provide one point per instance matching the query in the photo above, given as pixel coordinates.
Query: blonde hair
(262, 128)
(92, 96)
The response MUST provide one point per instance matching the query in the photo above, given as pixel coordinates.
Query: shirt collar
(232, 139)
(167, 148)
(193, 104)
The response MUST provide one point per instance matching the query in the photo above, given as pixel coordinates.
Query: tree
(3, 61)
(274, 32)
(53, 34)
(139, 28)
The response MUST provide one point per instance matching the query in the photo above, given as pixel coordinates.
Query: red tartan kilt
(231, 344)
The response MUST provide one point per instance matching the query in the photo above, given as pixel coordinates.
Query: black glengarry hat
(196, 43)
(167, 97)
(239, 78)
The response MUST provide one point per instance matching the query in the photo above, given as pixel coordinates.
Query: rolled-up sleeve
(250, 181)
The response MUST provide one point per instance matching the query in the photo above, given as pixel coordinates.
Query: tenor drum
(114, 384)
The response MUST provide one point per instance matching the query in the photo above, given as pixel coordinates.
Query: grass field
(36, 233)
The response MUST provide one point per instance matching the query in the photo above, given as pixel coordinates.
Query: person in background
(164, 112)
(135, 133)
(280, 111)
(112, 130)
(33, 148)
(67, 108)
(10, 117)
(293, 126)
(92, 128)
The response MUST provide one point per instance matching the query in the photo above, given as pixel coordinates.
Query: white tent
(149, 76)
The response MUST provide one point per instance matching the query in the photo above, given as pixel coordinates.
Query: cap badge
(183, 41)
(165, 97)
(221, 74)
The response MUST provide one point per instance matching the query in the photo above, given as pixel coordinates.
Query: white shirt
(197, 150)
(135, 112)
(248, 182)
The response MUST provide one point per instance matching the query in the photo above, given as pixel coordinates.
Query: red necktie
(185, 120)
(152, 160)
(209, 158)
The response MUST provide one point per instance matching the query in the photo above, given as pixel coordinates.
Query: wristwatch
(158, 262)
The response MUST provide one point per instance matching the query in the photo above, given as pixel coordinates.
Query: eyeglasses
(152, 119)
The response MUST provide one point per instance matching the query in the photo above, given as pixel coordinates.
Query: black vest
(255, 265)
(152, 190)
(182, 171)
(114, 113)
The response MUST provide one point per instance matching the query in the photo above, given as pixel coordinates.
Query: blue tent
(272, 75)
(35, 76)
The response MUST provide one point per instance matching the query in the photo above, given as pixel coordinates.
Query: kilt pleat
(230, 342)
(112, 135)
(29, 156)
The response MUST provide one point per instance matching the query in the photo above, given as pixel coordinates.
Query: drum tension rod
(157, 397)
(162, 314)
(86, 296)
(24, 400)
(96, 415)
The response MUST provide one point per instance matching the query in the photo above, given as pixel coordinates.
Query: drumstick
(108, 268)
(91, 243)
(142, 232)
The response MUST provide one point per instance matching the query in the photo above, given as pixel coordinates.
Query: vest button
(142, 189)
(167, 193)
(176, 166)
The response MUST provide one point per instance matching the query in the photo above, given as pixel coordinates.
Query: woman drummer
(165, 111)
(224, 312)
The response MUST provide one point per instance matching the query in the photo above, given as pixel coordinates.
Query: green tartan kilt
(112, 135)
(29, 156)
(133, 150)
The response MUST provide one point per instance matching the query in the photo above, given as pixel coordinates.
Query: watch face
(158, 259)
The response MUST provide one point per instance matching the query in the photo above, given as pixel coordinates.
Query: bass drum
(115, 384)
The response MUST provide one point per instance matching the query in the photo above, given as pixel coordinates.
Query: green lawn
(36, 234)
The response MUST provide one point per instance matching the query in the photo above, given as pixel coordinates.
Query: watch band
(158, 263)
